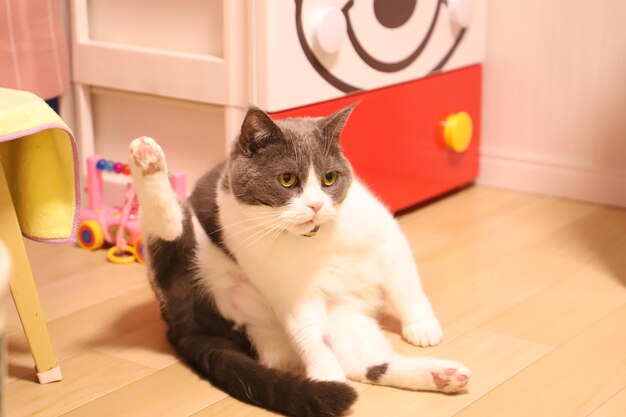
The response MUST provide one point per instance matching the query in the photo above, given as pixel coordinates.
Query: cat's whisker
(257, 236)
(263, 224)
(231, 225)
(249, 220)
(253, 238)
(263, 229)
(278, 228)
(278, 231)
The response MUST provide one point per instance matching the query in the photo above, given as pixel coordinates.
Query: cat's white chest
(342, 260)
(335, 264)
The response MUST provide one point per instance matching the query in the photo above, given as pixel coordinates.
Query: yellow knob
(457, 131)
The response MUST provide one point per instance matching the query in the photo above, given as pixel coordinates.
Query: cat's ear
(257, 127)
(333, 125)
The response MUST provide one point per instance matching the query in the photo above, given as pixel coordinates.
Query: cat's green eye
(330, 178)
(287, 179)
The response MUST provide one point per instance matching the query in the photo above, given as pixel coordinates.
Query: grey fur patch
(170, 260)
(203, 201)
(267, 149)
(375, 373)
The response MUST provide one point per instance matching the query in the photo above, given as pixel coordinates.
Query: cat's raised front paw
(146, 155)
(453, 378)
(426, 333)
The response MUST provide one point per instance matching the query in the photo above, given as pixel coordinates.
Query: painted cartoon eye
(287, 179)
(394, 14)
(362, 45)
(330, 178)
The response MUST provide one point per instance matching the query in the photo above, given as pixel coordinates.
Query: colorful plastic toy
(117, 226)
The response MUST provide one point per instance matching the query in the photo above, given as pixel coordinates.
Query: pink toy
(117, 226)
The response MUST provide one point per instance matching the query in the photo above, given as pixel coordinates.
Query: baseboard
(552, 177)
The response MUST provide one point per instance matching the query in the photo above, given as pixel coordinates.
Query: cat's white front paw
(161, 215)
(425, 333)
(146, 155)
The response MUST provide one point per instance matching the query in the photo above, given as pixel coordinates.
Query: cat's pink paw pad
(452, 380)
(147, 156)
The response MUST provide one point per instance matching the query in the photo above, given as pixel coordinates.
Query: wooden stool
(39, 199)
(5, 273)
(24, 291)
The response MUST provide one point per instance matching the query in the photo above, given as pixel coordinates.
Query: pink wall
(554, 117)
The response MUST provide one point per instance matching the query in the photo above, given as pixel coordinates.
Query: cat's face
(290, 174)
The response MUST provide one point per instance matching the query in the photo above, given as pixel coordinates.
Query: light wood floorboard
(530, 290)
(614, 407)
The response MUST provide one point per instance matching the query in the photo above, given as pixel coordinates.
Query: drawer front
(308, 51)
(394, 138)
(192, 50)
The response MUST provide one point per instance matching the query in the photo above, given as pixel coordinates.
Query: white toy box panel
(194, 26)
(189, 50)
(291, 39)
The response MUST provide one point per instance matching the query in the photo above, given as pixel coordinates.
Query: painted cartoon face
(363, 44)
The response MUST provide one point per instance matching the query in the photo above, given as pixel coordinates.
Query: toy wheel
(90, 235)
(139, 248)
(127, 257)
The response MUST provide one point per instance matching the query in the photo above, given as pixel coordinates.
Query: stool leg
(24, 291)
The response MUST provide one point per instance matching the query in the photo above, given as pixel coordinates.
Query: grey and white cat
(277, 266)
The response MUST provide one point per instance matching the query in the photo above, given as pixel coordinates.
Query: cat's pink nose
(315, 206)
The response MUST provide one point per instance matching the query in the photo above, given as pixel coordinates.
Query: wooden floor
(530, 290)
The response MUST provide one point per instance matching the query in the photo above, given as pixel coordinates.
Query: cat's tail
(226, 367)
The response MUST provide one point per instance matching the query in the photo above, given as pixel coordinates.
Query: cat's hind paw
(146, 156)
(452, 379)
(427, 333)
